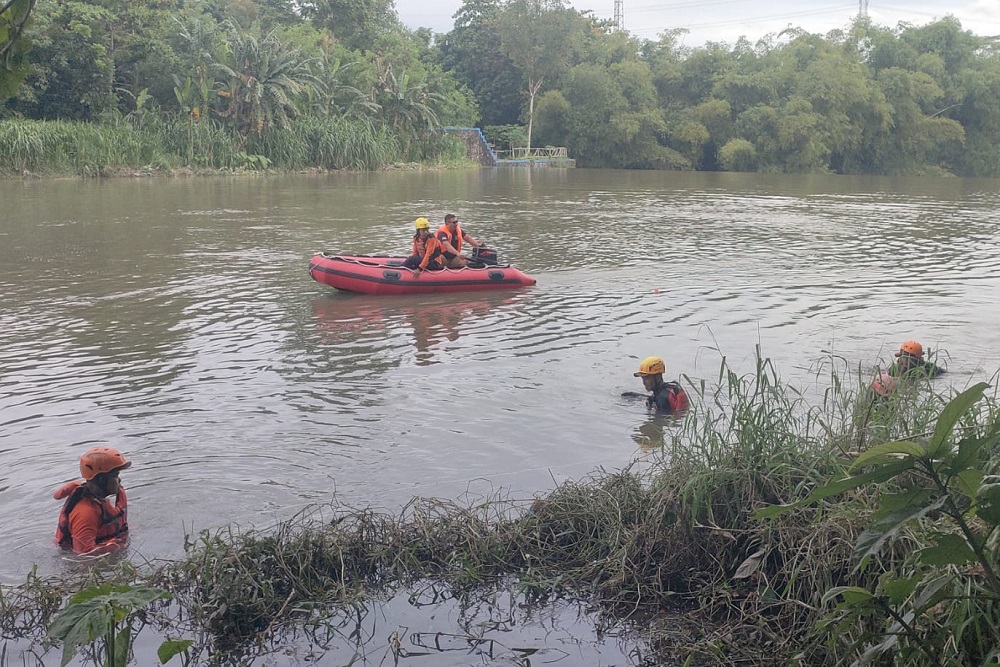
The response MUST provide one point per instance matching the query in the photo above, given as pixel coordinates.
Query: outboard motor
(487, 256)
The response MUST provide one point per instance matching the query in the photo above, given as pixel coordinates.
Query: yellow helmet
(650, 366)
(421, 223)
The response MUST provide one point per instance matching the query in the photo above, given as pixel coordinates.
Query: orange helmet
(650, 366)
(912, 348)
(101, 459)
(884, 384)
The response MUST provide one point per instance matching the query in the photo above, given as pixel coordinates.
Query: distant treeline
(342, 84)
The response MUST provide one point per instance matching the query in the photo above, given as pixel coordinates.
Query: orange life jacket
(418, 245)
(433, 254)
(113, 519)
(455, 240)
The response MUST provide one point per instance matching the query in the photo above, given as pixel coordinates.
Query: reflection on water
(428, 622)
(176, 320)
(434, 321)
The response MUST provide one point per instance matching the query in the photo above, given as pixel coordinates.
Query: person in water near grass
(909, 365)
(426, 249)
(88, 522)
(668, 398)
(451, 236)
(910, 362)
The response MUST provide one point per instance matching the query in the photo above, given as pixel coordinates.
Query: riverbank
(873, 489)
(143, 147)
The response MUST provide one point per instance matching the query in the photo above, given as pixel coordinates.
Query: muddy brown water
(175, 319)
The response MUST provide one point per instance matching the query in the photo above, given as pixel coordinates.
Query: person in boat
(451, 236)
(668, 398)
(427, 253)
(88, 522)
(910, 362)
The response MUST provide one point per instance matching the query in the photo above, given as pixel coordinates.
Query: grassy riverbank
(671, 546)
(162, 145)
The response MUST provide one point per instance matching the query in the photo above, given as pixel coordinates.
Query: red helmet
(912, 348)
(101, 459)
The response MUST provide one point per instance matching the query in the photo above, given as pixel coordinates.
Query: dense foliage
(866, 99)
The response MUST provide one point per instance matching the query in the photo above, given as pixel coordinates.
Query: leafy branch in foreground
(940, 604)
(106, 613)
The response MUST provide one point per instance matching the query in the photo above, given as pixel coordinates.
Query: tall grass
(328, 143)
(79, 148)
(673, 545)
(161, 142)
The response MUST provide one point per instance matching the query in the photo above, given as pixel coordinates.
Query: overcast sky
(727, 20)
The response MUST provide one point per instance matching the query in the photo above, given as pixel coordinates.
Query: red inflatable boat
(384, 274)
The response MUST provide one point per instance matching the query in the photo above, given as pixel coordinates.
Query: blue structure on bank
(480, 150)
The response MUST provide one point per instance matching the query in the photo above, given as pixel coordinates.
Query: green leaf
(123, 645)
(968, 482)
(897, 589)
(889, 503)
(950, 550)
(951, 414)
(136, 598)
(988, 500)
(889, 452)
(968, 453)
(79, 625)
(870, 542)
(97, 591)
(882, 474)
(171, 647)
(932, 593)
(852, 594)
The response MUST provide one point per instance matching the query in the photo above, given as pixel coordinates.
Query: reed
(671, 546)
(162, 142)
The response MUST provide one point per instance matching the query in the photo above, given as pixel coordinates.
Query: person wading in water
(88, 522)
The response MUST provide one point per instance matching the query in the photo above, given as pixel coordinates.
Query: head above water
(650, 366)
(911, 348)
(100, 460)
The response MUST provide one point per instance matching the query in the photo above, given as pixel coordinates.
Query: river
(175, 320)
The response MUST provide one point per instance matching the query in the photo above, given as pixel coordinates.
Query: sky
(727, 20)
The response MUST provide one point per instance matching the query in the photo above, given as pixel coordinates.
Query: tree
(263, 78)
(357, 24)
(72, 71)
(473, 54)
(608, 117)
(537, 37)
(14, 15)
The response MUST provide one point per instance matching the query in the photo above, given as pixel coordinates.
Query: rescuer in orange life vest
(668, 398)
(88, 522)
(427, 252)
(450, 236)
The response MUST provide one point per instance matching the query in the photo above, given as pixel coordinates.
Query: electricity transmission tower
(620, 14)
(863, 9)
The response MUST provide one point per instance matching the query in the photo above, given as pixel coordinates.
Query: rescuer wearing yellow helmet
(426, 249)
(88, 522)
(667, 397)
